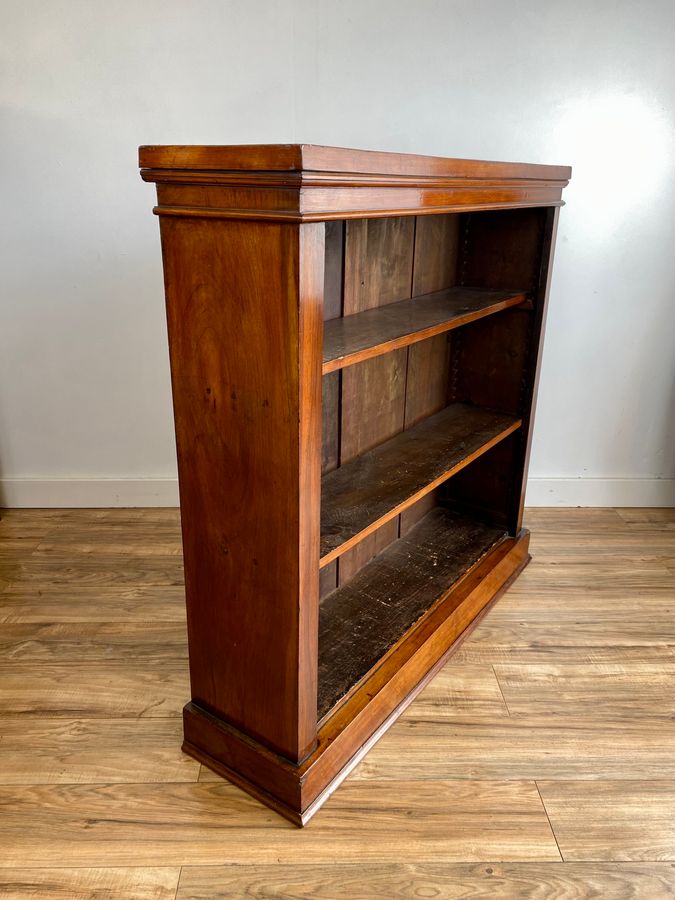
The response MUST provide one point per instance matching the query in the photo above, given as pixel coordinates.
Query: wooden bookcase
(354, 341)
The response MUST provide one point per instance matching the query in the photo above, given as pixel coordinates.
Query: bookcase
(354, 340)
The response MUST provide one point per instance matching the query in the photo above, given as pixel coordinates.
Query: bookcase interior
(430, 332)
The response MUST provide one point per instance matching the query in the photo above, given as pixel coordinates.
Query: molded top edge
(315, 158)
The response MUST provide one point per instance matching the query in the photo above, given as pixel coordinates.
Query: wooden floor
(540, 762)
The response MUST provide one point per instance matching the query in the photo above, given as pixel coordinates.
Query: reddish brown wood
(266, 249)
(248, 436)
(303, 182)
(337, 160)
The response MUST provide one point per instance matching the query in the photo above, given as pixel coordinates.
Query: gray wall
(85, 414)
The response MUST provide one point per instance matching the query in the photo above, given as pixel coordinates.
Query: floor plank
(58, 750)
(436, 745)
(637, 518)
(89, 884)
(204, 823)
(604, 691)
(102, 603)
(515, 881)
(111, 689)
(526, 641)
(612, 820)
(555, 720)
(92, 569)
(79, 642)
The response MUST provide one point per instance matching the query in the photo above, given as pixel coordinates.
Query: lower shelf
(343, 737)
(362, 620)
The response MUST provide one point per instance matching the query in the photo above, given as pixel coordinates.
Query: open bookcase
(354, 341)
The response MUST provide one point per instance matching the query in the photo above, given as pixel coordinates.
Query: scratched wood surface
(538, 763)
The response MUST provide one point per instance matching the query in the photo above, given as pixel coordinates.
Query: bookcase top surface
(313, 158)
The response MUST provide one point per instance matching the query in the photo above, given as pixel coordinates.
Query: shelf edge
(406, 340)
(430, 486)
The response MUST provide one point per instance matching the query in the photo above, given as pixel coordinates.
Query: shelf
(373, 488)
(351, 339)
(361, 621)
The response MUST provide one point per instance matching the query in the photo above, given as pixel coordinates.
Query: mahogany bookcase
(354, 340)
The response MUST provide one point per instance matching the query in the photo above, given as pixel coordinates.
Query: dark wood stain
(357, 337)
(361, 621)
(374, 486)
(378, 271)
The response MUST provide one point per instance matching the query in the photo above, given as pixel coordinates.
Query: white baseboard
(55, 493)
(94, 492)
(652, 491)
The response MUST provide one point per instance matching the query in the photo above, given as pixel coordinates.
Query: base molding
(603, 492)
(73, 492)
(351, 729)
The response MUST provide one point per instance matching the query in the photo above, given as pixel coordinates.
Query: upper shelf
(351, 339)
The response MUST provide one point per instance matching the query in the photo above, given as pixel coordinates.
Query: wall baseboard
(55, 493)
(93, 492)
(618, 491)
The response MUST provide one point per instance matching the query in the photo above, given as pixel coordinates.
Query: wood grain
(89, 884)
(61, 750)
(378, 270)
(318, 158)
(304, 182)
(155, 689)
(363, 619)
(617, 820)
(451, 881)
(607, 690)
(354, 338)
(73, 793)
(124, 605)
(208, 823)
(79, 641)
(429, 375)
(236, 411)
(458, 731)
(257, 286)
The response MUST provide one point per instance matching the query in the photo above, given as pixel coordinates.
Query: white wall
(85, 414)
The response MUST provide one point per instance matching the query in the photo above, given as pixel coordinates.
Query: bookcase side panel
(244, 321)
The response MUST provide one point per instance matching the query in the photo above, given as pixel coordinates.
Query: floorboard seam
(548, 819)
(501, 692)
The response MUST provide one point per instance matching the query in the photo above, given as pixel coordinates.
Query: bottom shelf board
(360, 621)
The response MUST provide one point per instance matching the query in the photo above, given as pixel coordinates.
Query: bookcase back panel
(378, 270)
(490, 361)
(502, 248)
(427, 388)
(372, 263)
(484, 490)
